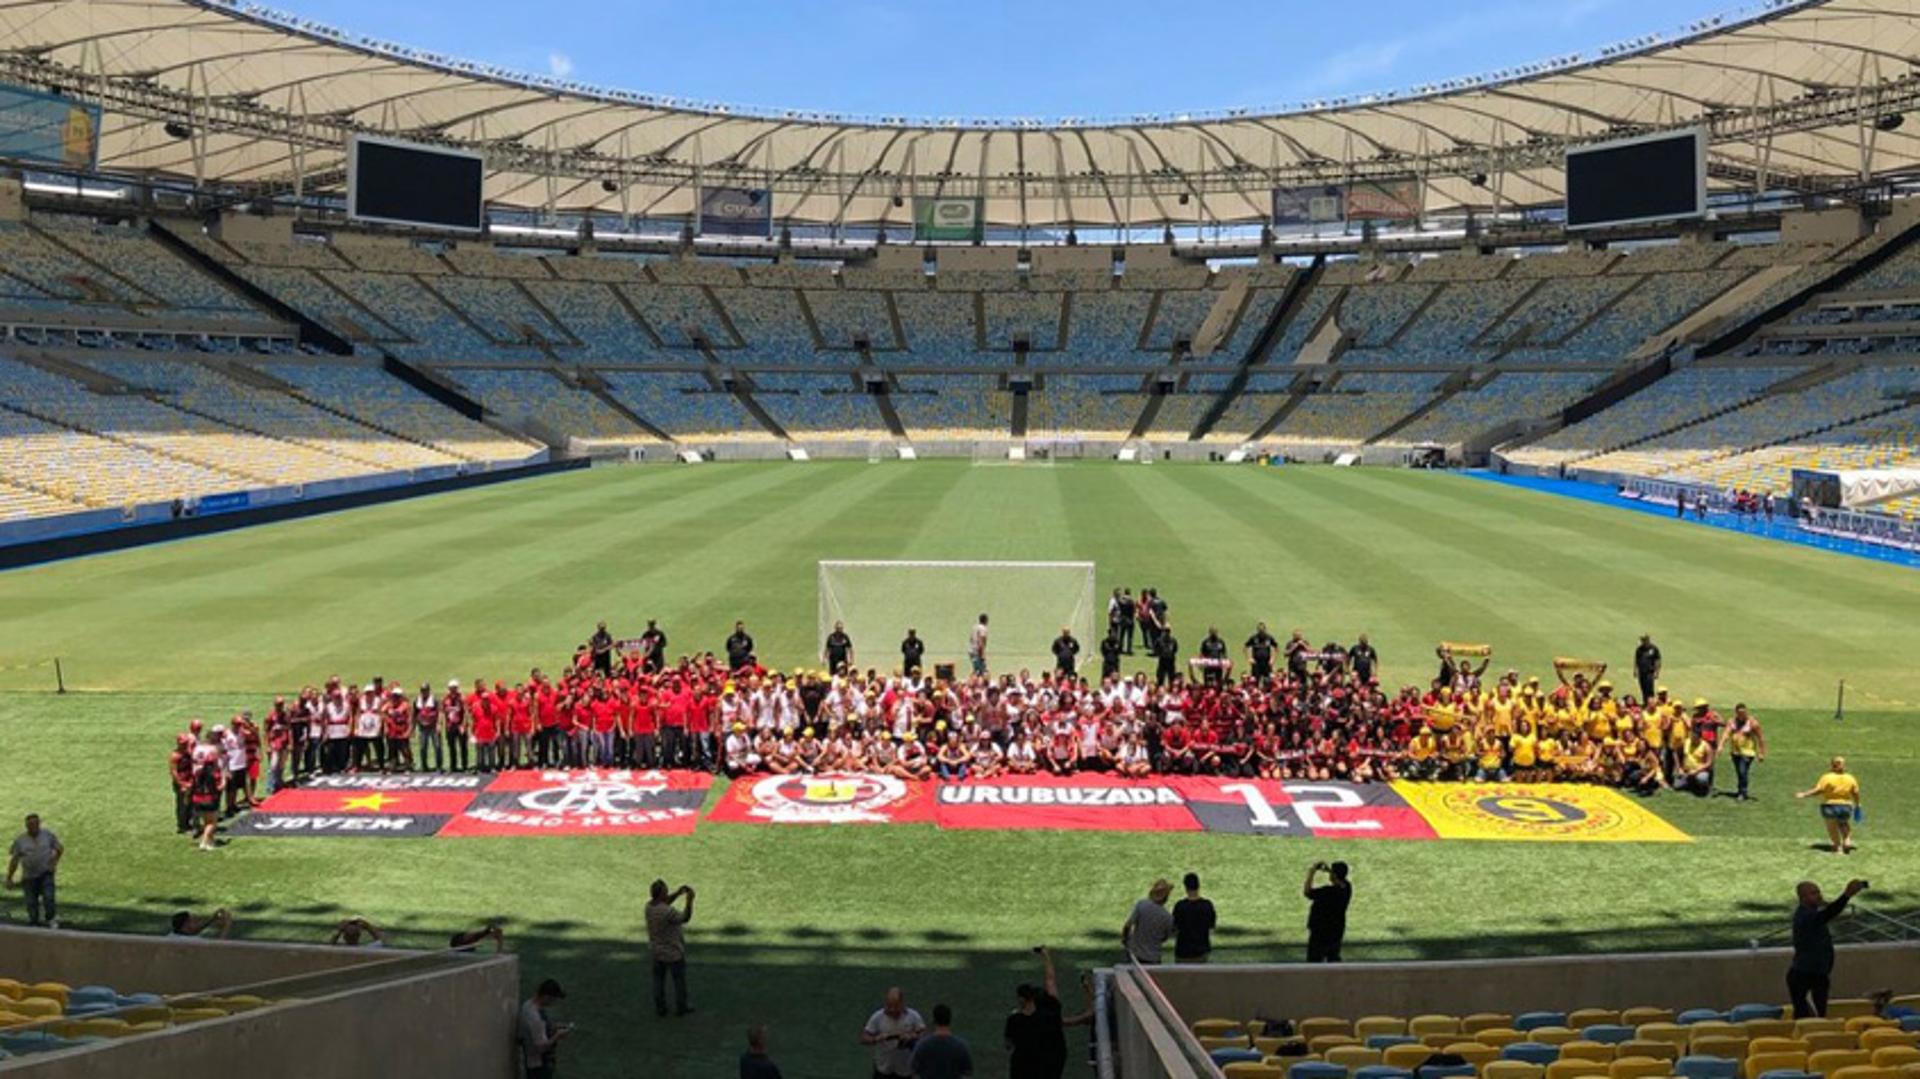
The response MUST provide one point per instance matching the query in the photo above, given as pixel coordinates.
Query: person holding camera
(892, 1033)
(1327, 911)
(667, 940)
(1810, 975)
(216, 926)
(539, 1036)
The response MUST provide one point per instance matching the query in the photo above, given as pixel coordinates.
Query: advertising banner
(1314, 204)
(48, 128)
(960, 220)
(736, 211)
(1383, 200)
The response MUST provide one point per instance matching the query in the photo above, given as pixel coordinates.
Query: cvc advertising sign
(964, 220)
(736, 211)
(48, 128)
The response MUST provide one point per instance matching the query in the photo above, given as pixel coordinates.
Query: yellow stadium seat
(1638, 1068)
(1378, 1024)
(12, 990)
(37, 1007)
(1499, 1037)
(1909, 1071)
(1581, 1018)
(147, 1028)
(1895, 1056)
(1862, 1071)
(1513, 1069)
(105, 1027)
(1553, 1035)
(1647, 1047)
(1643, 1015)
(1823, 1040)
(1406, 1057)
(1574, 1069)
(1250, 1069)
(236, 1004)
(1828, 1025)
(1860, 1024)
(1828, 1061)
(196, 1015)
(1849, 1008)
(144, 1013)
(1479, 1021)
(1324, 1042)
(1717, 1028)
(1269, 1046)
(1351, 1057)
(1580, 1050)
(1215, 1028)
(1671, 1033)
(14, 1019)
(1778, 1045)
(1439, 1041)
(1759, 1064)
(1881, 1037)
(51, 990)
(1473, 1053)
(64, 1028)
(1255, 1027)
(1225, 1041)
(1726, 1046)
(1769, 1028)
(1433, 1024)
(1309, 1029)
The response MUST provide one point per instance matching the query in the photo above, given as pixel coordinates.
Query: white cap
(453, 683)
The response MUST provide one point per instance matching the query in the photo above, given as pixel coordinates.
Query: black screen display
(416, 186)
(1637, 181)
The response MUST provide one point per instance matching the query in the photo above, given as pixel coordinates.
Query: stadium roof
(1792, 93)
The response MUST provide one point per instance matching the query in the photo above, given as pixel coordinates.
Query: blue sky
(1006, 58)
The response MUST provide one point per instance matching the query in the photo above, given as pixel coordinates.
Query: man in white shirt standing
(34, 856)
(977, 646)
(892, 1032)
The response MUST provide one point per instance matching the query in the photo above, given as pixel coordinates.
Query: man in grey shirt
(538, 1035)
(34, 856)
(666, 939)
(1149, 925)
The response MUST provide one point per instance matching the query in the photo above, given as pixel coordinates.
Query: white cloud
(559, 65)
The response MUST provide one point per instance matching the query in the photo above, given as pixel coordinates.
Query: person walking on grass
(32, 859)
(666, 939)
(1839, 795)
(1745, 744)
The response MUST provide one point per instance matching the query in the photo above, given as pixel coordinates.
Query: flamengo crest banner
(561, 802)
(828, 798)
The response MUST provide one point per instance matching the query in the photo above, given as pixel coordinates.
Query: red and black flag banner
(1085, 802)
(607, 802)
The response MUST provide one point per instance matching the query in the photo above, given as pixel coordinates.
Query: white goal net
(1027, 603)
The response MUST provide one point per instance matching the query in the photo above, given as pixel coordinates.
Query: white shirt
(890, 1057)
(977, 643)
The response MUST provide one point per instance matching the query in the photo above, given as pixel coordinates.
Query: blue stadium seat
(1381, 1071)
(1740, 1013)
(1531, 1052)
(1700, 1015)
(1444, 1071)
(1387, 1041)
(1788, 1073)
(1608, 1033)
(1224, 1057)
(1316, 1069)
(1526, 1021)
(1693, 1067)
(1910, 1022)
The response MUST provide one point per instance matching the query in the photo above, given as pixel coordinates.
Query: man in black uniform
(912, 649)
(1327, 912)
(1167, 647)
(653, 648)
(1066, 652)
(1260, 650)
(601, 644)
(1212, 646)
(1159, 608)
(1297, 650)
(1127, 609)
(839, 651)
(1364, 659)
(1110, 653)
(739, 647)
(1646, 665)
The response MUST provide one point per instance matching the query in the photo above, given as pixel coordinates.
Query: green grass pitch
(804, 928)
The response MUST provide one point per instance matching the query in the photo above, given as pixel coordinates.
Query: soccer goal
(1027, 603)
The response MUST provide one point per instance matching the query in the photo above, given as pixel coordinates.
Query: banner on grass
(1542, 812)
(391, 811)
(736, 211)
(1086, 802)
(829, 798)
(1299, 808)
(609, 802)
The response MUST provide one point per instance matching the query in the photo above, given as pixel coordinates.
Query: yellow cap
(739, 727)
(1699, 702)
(912, 737)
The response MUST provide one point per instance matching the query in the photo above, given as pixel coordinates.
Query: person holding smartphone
(538, 1034)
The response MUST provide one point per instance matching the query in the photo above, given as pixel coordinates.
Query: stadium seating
(1517, 395)
(387, 403)
(684, 405)
(1099, 406)
(952, 406)
(1683, 397)
(819, 405)
(543, 397)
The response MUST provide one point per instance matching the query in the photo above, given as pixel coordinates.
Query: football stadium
(503, 576)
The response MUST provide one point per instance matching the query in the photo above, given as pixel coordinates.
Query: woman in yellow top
(1521, 746)
(1839, 795)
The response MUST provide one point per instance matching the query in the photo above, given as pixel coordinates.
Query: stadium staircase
(1148, 412)
(98, 381)
(311, 332)
(1261, 348)
(1846, 274)
(1017, 423)
(591, 381)
(1456, 382)
(882, 400)
(741, 393)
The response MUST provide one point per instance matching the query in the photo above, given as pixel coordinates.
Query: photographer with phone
(539, 1036)
(1327, 911)
(666, 939)
(1810, 975)
(892, 1032)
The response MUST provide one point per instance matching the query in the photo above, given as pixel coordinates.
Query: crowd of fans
(1293, 712)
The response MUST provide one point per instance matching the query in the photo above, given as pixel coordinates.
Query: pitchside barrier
(1027, 603)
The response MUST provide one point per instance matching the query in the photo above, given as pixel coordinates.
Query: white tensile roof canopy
(1796, 96)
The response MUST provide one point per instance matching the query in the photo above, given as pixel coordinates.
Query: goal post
(1026, 603)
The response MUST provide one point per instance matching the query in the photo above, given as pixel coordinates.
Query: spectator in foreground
(666, 939)
(1193, 921)
(1035, 1032)
(892, 1032)
(470, 940)
(1148, 925)
(755, 1063)
(31, 862)
(942, 1054)
(539, 1036)
(357, 933)
(215, 926)
(1839, 795)
(1810, 975)
(1327, 911)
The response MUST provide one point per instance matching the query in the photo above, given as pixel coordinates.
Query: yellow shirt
(1694, 757)
(1837, 788)
(1422, 747)
(1523, 749)
(1549, 750)
(1741, 744)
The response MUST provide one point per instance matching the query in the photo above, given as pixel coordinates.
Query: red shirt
(646, 718)
(521, 714)
(602, 710)
(548, 702)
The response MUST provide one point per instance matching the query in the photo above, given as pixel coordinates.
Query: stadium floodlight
(1027, 603)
